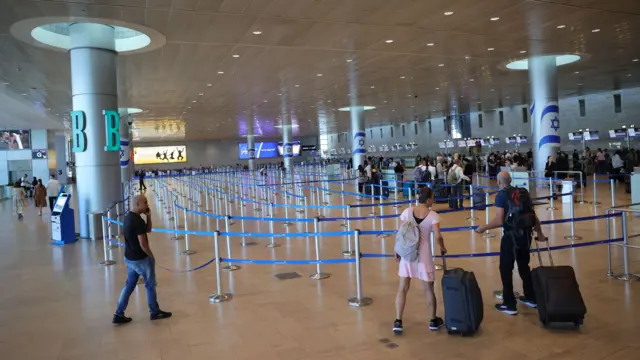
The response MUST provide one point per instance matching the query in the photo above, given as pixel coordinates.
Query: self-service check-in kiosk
(63, 226)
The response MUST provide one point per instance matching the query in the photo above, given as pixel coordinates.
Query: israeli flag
(359, 143)
(549, 126)
(288, 150)
(124, 153)
(252, 154)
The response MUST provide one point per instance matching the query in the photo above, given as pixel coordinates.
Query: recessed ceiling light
(201, 94)
(265, 101)
(492, 90)
(523, 51)
(430, 44)
(209, 85)
(401, 77)
(349, 60)
(577, 72)
(319, 74)
(236, 55)
(441, 65)
(188, 107)
(257, 32)
(595, 30)
(495, 18)
(220, 72)
(297, 85)
(279, 94)
(6, 83)
(194, 101)
(580, 84)
(448, 13)
(508, 97)
(471, 80)
(562, 26)
(437, 88)
(388, 41)
(373, 87)
(634, 60)
(629, 75)
(490, 49)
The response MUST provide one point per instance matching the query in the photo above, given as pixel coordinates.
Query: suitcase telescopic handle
(444, 261)
(548, 251)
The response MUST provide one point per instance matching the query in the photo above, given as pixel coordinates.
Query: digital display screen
(471, 142)
(15, 139)
(618, 133)
(494, 141)
(632, 132)
(511, 140)
(160, 154)
(296, 148)
(60, 202)
(462, 143)
(442, 145)
(264, 150)
(522, 140)
(576, 136)
(592, 135)
(39, 154)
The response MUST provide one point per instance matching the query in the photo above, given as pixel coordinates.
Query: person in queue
(423, 269)
(514, 247)
(140, 262)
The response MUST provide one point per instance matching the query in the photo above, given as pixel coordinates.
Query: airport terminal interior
(261, 166)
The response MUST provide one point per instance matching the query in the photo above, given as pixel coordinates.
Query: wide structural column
(94, 89)
(287, 145)
(251, 151)
(545, 113)
(359, 136)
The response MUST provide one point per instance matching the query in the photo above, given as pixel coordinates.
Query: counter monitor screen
(592, 135)
(60, 202)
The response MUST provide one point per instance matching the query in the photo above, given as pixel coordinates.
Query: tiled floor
(56, 302)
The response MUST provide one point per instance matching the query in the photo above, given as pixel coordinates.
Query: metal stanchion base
(272, 245)
(187, 252)
(498, 294)
(112, 246)
(573, 237)
(343, 225)
(438, 266)
(257, 210)
(383, 236)
(372, 213)
(364, 301)
(319, 276)
(300, 211)
(180, 226)
(231, 201)
(551, 208)
(358, 200)
(179, 237)
(231, 268)
(286, 224)
(141, 281)
(488, 235)
(628, 277)
(170, 218)
(107, 262)
(217, 298)
(472, 218)
(395, 206)
(231, 222)
(320, 216)
(348, 253)
(595, 203)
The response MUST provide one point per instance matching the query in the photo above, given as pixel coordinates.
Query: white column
(94, 89)
(545, 113)
(359, 136)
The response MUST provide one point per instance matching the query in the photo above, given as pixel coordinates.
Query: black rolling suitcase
(440, 193)
(463, 304)
(557, 293)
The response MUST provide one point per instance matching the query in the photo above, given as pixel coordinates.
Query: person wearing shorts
(423, 269)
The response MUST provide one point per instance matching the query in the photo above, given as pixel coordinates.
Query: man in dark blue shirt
(140, 262)
(510, 252)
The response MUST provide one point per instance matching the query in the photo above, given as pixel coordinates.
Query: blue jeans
(147, 269)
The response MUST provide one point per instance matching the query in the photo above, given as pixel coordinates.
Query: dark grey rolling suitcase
(557, 293)
(479, 201)
(463, 304)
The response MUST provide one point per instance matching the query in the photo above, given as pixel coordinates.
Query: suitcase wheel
(578, 322)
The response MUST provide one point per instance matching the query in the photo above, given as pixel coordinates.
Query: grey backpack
(407, 240)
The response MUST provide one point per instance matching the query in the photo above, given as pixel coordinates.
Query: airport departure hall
(319, 179)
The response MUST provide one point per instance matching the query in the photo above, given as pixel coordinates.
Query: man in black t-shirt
(139, 260)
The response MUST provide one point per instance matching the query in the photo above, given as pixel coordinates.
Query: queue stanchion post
(626, 276)
(286, 209)
(582, 186)
(244, 238)
(176, 236)
(344, 211)
(206, 200)
(613, 194)
(229, 266)
(432, 242)
(306, 214)
(272, 244)
(218, 296)
(551, 195)
(118, 228)
(595, 201)
(383, 235)
(110, 230)
(228, 207)
(349, 252)
(359, 300)
(396, 190)
(186, 251)
(573, 235)
(373, 209)
(105, 247)
(319, 275)
(471, 217)
(487, 234)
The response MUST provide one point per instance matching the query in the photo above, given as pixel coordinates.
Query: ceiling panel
(214, 73)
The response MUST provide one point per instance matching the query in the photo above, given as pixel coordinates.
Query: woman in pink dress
(423, 269)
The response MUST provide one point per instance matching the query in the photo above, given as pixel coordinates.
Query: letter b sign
(111, 127)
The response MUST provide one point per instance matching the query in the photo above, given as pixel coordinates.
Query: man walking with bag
(515, 213)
